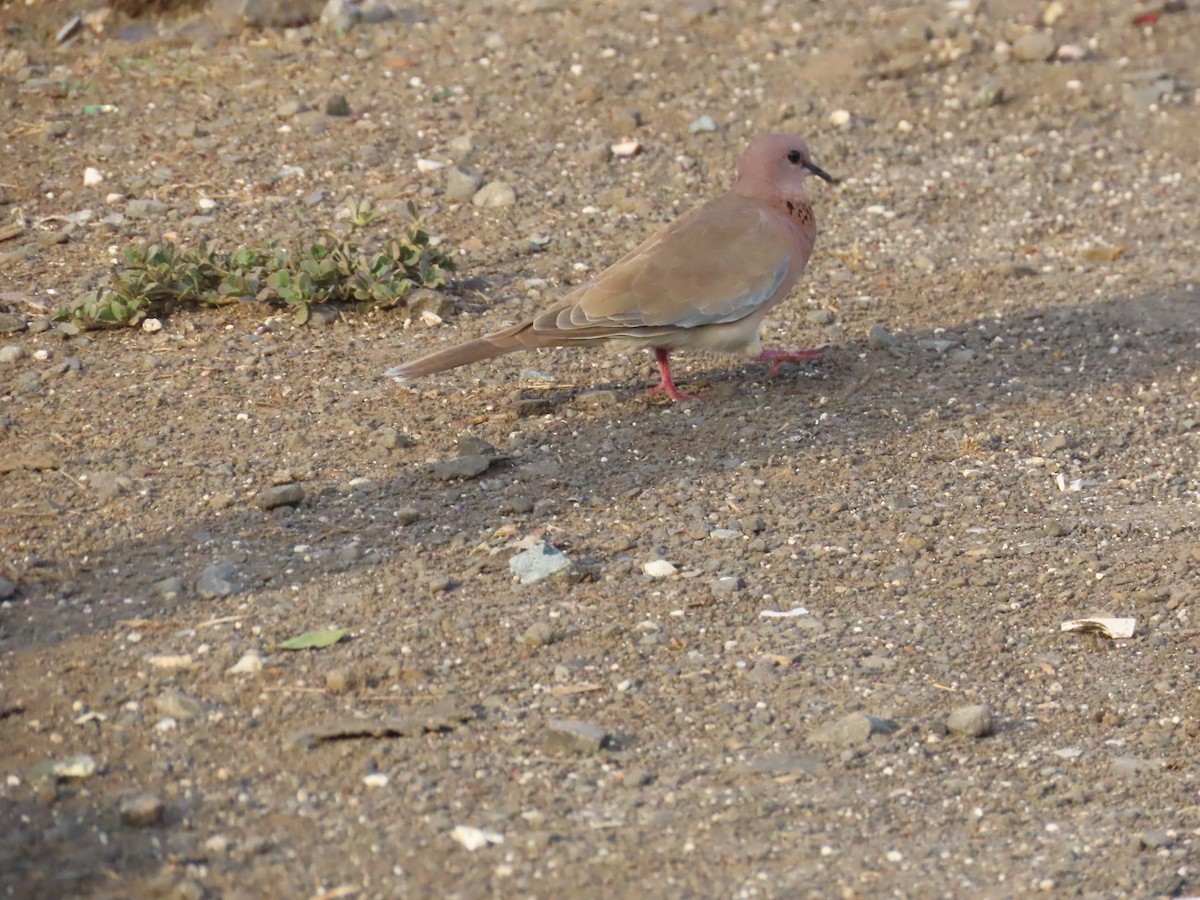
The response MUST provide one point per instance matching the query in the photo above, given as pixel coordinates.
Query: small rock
(516, 506)
(597, 398)
(462, 184)
(1155, 839)
(53, 238)
(840, 118)
(339, 681)
(217, 581)
(179, 705)
(785, 764)
(973, 721)
(524, 407)
(141, 810)
(819, 317)
(539, 563)
(406, 515)
(92, 176)
(1034, 46)
(11, 353)
(575, 736)
(74, 767)
(279, 495)
(376, 11)
(1055, 443)
(1135, 765)
(337, 105)
(726, 585)
(703, 123)
(10, 324)
(659, 568)
(7, 588)
(340, 15)
(473, 838)
(937, 345)
(290, 108)
(251, 663)
(495, 194)
(460, 467)
(856, 728)
(879, 338)
(144, 208)
(473, 445)
(539, 634)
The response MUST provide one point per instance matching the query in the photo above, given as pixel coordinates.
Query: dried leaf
(313, 640)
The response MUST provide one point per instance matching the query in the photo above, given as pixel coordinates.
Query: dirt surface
(1004, 435)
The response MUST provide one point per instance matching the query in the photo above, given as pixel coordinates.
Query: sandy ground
(1003, 435)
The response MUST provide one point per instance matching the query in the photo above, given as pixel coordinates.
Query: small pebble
(337, 106)
(539, 634)
(1034, 46)
(879, 338)
(973, 721)
(141, 810)
(496, 194)
(279, 495)
(575, 736)
(217, 581)
(856, 728)
(659, 568)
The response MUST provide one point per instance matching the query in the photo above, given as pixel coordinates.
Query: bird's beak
(820, 173)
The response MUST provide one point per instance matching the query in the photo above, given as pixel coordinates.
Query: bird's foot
(667, 384)
(668, 387)
(778, 357)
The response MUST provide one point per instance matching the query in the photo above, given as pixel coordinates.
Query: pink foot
(667, 384)
(778, 357)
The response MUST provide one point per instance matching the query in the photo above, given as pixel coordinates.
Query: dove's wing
(718, 264)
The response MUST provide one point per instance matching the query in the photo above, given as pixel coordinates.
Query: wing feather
(715, 265)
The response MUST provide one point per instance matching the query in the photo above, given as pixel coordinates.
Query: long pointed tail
(460, 355)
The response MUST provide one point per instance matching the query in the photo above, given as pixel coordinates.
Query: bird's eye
(794, 157)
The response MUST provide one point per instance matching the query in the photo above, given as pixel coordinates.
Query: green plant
(157, 279)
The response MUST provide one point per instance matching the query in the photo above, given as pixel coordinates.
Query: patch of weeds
(161, 278)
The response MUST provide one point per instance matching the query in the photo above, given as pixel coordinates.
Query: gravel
(936, 513)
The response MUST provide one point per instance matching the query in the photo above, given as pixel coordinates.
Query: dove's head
(775, 165)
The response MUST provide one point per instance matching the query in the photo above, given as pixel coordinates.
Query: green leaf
(313, 640)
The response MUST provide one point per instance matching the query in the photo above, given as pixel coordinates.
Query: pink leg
(667, 384)
(778, 357)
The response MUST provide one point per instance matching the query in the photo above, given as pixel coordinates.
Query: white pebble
(250, 664)
(475, 838)
(152, 326)
(113, 198)
(904, 125)
(206, 204)
(659, 568)
(375, 779)
(429, 165)
(91, 176)
(840, 118)
(626, 148)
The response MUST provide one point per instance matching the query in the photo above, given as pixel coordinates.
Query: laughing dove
(704, 282)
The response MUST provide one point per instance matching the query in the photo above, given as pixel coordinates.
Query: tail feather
(486, 347)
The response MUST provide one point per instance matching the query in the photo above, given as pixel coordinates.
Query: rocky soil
(802, 637)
